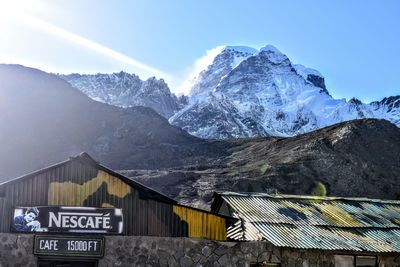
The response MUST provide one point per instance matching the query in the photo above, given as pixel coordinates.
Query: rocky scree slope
(355, 158)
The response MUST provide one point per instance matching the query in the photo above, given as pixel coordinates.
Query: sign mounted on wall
(49, 245)
(68, 219)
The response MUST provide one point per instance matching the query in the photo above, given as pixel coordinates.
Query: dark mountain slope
(44, 120)
(355, 158)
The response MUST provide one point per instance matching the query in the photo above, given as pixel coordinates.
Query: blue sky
(354, 44)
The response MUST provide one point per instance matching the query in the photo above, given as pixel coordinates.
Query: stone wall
(156, 251)
(315, 258)
(17, 250)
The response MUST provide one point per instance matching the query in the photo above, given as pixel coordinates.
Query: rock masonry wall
(17, 250)
(155, 251)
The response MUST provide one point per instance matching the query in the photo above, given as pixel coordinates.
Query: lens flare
(21, 11)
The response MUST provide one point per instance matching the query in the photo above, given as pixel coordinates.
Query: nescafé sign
(76, 246)
(68, 219)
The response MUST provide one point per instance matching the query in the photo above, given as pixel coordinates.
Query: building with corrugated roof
(81, 213)
(75, 203)
(348, 231)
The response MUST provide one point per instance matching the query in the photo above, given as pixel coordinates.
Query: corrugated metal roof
(357, 224)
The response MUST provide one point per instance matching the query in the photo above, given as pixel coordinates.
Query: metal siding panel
(163, 223)
(35, 188)
(75, 183)
(144, 210)
(127, 209)
(3, 207)
(211, 226)
(133, 226)
(160, 216)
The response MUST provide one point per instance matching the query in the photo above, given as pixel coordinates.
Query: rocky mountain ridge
(127, 90)
(261, 93)
(354, 158)
(44, 120)
(243, 92)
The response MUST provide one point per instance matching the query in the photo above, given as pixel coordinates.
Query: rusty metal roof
(331, 223)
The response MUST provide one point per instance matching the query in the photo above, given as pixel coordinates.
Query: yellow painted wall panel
(74, 194)
(202, 224)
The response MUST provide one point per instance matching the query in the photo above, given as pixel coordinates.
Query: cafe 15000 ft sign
(68, 219)
(50, 245)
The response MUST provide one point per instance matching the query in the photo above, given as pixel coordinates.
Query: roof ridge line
(305, 197)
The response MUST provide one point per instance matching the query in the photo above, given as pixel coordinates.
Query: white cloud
(199, 65)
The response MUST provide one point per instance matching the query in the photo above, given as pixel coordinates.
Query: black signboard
(77, 246)
(68, 219)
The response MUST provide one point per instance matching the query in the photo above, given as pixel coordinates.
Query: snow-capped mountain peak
(224, 61)
(125, 90)
(241, 49)
(245, 93)
(273, 54)
(239, 91)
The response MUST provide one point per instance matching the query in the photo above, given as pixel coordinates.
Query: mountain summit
(246, 92)
(44, 120)
(242, 92)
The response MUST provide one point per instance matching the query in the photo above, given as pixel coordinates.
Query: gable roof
(334, 223)
(85, 158)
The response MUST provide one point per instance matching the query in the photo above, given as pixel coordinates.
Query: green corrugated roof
(334, 223)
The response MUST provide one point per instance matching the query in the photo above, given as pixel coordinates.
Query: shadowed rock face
(43, 120)
(356, 158)
(318, 81)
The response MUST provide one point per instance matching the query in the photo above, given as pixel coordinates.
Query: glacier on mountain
(249, 92)
(240, 92)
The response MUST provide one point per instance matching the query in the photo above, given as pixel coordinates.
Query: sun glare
(7, 8)
(11, 9)
(26, 12)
